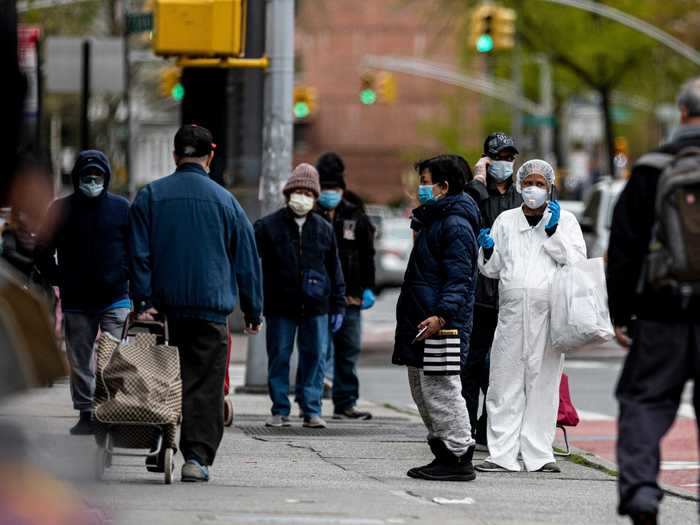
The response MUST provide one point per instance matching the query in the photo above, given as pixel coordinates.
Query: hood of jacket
(91, 158)
(461, 205)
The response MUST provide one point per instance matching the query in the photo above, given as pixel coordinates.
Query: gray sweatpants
(81, 332)
(441, 406)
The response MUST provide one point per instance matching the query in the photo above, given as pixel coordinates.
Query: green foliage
(68, 20)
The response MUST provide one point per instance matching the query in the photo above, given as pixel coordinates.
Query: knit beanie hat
(331, 170)
(304, 177)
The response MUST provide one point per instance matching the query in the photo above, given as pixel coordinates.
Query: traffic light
(304, 102)
(386, 88)
(368, 93)
(492, 28)
(503, 27)
(199, 28)
(170, 85)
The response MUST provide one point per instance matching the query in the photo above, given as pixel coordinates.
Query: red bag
(567, 417)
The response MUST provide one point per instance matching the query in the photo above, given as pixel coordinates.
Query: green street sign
(539, 120)
(139, 22)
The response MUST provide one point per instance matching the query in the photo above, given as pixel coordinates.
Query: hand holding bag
(441, 354)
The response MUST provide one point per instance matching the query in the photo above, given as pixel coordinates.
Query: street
(593, 374)
(353, 473)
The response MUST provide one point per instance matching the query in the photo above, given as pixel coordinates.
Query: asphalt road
(593, 372)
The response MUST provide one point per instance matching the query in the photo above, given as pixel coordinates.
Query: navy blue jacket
(441, 275)
(303, 274)
(193, 249)
(90, 239)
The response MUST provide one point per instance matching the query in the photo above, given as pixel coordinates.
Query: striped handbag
(441, 354)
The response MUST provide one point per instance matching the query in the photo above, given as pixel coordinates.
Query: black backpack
(673, 262)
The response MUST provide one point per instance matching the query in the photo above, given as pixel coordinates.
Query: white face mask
(534, 197)
(301, 204)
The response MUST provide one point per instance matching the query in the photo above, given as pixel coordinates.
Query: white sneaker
(278, 421)
(314, 422)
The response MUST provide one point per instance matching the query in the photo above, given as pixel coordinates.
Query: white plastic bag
(580, 314)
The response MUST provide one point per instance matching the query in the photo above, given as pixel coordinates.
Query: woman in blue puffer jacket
(434, 313)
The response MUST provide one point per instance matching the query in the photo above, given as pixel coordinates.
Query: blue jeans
(347, 344)
(312, 343)
(81, 332)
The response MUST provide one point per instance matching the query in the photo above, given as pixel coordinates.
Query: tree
(592, 53)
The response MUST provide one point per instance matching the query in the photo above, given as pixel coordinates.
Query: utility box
(199, 28)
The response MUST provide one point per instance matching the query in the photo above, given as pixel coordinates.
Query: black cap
(193, 141)
(497, 142)
(331, 170)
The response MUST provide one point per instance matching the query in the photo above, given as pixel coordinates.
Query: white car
(393, 245)
(597, 215)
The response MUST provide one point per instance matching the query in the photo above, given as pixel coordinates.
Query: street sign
(63, 65)
(139, 22)
(539, 120)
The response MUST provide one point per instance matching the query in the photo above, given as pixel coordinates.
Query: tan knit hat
(304, 177)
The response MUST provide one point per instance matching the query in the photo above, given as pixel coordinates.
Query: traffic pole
(278, 129)
(85, 96)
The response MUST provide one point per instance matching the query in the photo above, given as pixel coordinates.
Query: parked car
(597, 215)
(393, 243)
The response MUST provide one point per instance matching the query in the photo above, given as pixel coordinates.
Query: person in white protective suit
(523, 250)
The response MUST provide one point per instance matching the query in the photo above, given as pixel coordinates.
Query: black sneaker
(644, 518)
(85, 425)
(551, 468)
(352, 413)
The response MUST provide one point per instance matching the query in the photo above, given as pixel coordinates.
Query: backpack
(673, 262)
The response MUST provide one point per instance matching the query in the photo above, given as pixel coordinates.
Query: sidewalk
(353, 473)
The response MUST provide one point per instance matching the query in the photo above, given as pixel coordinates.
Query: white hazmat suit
(523, 394)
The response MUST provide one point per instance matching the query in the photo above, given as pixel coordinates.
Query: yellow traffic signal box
(199, 28)
(387, 89)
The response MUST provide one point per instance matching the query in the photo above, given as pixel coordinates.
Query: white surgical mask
(301, 204)
(534, 197)
(92, 189)
(501, 170)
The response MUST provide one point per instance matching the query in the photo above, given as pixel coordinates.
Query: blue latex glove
(336, 322)
(368, 299)
(555, 210)
(484, 239)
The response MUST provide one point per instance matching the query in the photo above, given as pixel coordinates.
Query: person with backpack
(493, 190)
(653, 278)
(523, 250)
(304, 296)
(434, 314)
(354, 234)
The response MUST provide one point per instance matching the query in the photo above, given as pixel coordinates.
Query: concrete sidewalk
(352, 473)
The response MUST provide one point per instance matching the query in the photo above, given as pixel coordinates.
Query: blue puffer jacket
(193, 249)
(441, 275)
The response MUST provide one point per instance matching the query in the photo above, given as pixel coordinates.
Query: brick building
(379, 141)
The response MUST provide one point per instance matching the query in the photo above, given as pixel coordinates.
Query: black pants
(475, 372)
(662, 358)
(202, 347)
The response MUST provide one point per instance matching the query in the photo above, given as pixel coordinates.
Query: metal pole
(278, 128)
(517, 77)
(127, 104)
(547, 105)
(85, 98)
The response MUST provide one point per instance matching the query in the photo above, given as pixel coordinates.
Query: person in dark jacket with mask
(438, 294)
(88, 234)
(355, 237)
(493, 189)
(661, 332)
(304, 294)
(193, 254)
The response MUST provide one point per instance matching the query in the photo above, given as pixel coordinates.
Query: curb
(584, 457)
